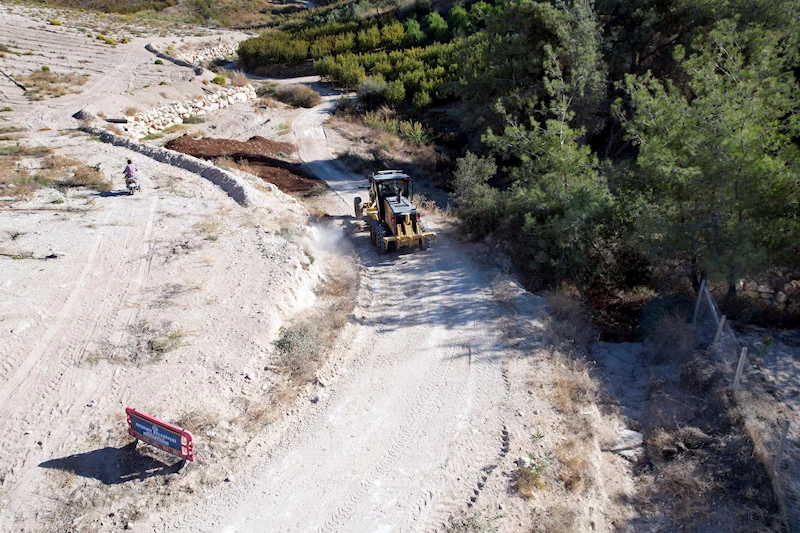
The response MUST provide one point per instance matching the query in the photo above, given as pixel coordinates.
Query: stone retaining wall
(180, 62)
(209, 52)
(226, 181)
(780, 293)
(162, 117)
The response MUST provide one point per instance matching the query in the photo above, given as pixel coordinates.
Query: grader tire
(425, 242)
(357, 206)
(380, 244)
(372, 228)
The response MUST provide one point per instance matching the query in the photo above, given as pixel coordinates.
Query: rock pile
(207, 52)
(162, 117)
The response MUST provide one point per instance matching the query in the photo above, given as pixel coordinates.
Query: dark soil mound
(255, 156)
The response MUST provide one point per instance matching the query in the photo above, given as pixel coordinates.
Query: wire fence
(772, 439)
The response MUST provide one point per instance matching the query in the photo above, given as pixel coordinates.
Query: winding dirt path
(412, 427)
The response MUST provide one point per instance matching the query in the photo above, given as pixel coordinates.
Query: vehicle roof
(385, 175)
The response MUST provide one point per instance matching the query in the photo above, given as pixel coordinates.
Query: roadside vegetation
(24, 170)
(45, 83)
(596, 141)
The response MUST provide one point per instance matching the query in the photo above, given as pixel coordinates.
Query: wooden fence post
(779, 455)
(699, 300)
(719, 332)
(739, 368)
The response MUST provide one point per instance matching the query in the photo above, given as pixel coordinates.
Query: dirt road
(411, 422)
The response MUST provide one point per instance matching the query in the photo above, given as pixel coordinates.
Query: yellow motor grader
(393, 220)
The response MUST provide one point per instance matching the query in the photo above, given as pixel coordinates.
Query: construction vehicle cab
(394, 222)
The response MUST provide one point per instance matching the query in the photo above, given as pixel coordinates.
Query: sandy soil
(418, 415)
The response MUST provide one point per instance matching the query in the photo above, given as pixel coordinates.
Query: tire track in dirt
(55, 331)
(57, 391)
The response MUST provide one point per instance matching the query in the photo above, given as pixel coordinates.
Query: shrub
(238, 78)
(193, 119)
(55, 22)
(266, 90)
(299, 347)
(395, 92)
(529, 475)
(414, 34)
(421, 100)
(414, 132)
(6, 109)
(371, 91)
(345, 106)
(159, 62)
(45, 68)
(369, 38)
(392, 34)
(219, 80)
(437, 27)
(459, 17)
(298, 95)
(163, 83)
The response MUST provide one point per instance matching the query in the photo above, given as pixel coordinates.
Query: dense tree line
(608, 134)
(621, 134)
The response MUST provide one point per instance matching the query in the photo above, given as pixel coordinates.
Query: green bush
(370, 38)
(159, 62)
(45, 68)
(414, 34)
(437, 27)
(219, 80)
(55, 22)
(395, 92)
(392, 34)
(421, 100)
(371, 91)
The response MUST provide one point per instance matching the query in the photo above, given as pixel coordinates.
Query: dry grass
(210, 228)
(198, 421)
(238, 78)
(573, 324)
(574, 386)
(131, 111)
(42, 84)
(575, 469)
(475, 522)
(559, 518)
(149, 343)
(670, 339)
(300, 348)
(23, 171)
(301, 345)
(86, 176)
(504, 290)
(256, 414)
(298, 95)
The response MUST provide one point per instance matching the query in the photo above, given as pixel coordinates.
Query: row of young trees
(387, 60)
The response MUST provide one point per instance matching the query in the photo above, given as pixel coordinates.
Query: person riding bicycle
(131, 173)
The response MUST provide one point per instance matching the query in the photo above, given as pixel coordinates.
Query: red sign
(162, 435)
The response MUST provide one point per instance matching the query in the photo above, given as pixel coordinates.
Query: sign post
(162, 435)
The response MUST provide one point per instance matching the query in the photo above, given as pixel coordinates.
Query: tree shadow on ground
(112, 466)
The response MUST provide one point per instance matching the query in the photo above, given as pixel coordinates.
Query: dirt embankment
(256, 156)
